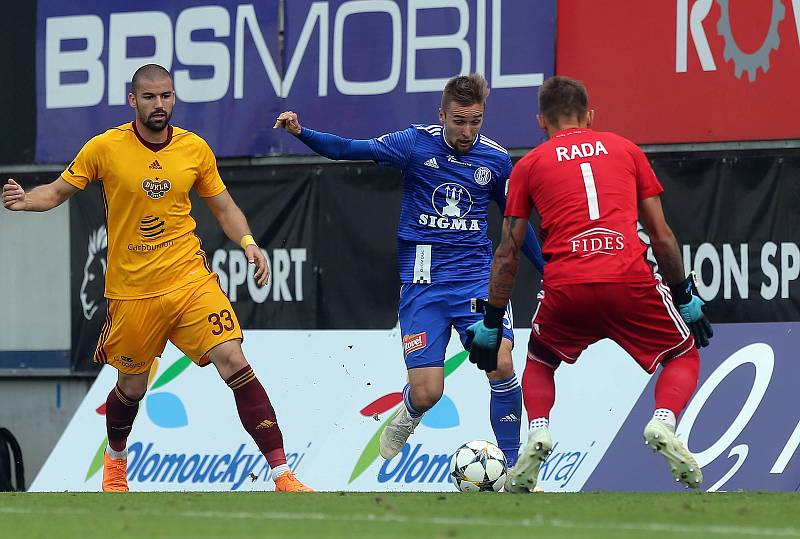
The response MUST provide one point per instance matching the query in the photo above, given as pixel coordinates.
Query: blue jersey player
(451, 173)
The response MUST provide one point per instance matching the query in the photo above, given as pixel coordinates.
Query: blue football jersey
(442, 234)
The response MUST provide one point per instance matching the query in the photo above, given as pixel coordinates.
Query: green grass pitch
(387, 515)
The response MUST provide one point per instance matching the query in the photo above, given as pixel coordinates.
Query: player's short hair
(148, 71)
(465, 90)
(562, 97)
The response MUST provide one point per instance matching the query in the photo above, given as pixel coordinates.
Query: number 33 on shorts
(207, 321)
(196, 317)
(222, 321)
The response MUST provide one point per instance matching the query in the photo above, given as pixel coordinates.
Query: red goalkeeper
(590, 188)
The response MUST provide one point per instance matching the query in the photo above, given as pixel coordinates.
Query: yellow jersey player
(159, 284)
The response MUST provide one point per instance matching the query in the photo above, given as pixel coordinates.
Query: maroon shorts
(640, 317)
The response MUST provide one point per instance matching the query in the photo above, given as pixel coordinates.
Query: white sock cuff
(278, 471)
(665, 415)
(117, 455)
(538, 423)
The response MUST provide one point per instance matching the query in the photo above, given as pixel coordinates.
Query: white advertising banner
(333, 391)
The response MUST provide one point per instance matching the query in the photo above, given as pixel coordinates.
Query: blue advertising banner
(358, 68)
(741, 424)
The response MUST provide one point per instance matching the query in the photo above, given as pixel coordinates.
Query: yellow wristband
(247, 240)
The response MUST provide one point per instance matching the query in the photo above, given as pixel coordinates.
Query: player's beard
(461, 147)
(156, 125)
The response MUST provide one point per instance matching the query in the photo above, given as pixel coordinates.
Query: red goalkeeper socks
(677, 382)
(538, 388)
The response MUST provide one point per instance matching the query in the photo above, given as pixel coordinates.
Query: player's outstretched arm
(234, 224)
(670, 264)
(325, 144)
(42, 198)
(289, 121)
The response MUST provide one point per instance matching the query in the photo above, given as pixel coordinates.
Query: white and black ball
(478, 466)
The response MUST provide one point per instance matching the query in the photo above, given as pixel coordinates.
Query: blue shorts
(429, 311)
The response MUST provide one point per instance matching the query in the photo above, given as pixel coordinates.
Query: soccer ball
(478, 466)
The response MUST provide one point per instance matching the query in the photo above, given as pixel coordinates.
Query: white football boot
(524, 475)
(394, 436)
(661, 439)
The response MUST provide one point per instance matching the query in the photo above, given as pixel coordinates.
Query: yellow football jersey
(152, 248)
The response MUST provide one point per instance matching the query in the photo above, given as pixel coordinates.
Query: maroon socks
(120, 413)
(257, 415)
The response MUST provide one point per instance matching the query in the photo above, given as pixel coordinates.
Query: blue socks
(413, 412)
(505, 410)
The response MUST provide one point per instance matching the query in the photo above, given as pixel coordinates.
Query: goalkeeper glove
(692, 309)
(483, 338)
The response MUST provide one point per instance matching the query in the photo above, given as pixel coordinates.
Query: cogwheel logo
(164, 409)
(753, 61)
(442, 416)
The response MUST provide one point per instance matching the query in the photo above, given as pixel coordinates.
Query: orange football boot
(115, 474)
(287, 482)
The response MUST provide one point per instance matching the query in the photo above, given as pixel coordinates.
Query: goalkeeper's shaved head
(149, 72)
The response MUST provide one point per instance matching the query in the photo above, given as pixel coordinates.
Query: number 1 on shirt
(591, 191)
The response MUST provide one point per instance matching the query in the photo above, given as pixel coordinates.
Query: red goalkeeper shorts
(640, 317)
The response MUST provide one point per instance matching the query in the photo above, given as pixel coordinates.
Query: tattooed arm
(506, 261)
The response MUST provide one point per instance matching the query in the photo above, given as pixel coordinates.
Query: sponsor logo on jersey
(151, 227)
(155, 165)
(417, 341)
(453, 198)
(156, 189)
(452, 159)
(431, 163)
(483, 176)
(145, 247)
(597, 241)
(452, 203)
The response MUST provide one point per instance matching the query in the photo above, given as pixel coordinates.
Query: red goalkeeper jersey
(586, 186)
